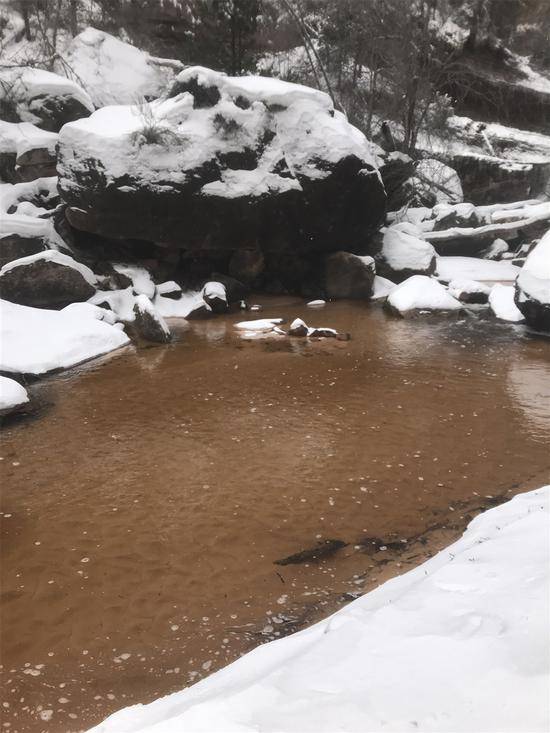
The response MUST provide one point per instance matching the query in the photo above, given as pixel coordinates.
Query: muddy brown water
(146, 503)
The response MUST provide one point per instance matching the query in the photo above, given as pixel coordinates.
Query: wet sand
(145, 505)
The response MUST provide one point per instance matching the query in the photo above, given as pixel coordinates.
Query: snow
(420, 292)
(20, 137)
(181, 308)
(458, 286)
(381, 287)
(534, 278)
(170, 286)
(14, 195)
(402, 250)
(306, 127)
(316, 303)
(29, 86)
(460, 643)
(114, 72)
(501, 302)
(433, 176)
(473, 268)
(141, 278)
(260, 324)
(12, 394)
(30, 227)
(52, 255)
(37, 341)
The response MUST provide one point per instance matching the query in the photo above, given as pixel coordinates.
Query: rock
(284, 173)
(170, 290)
(15, 246)
(469, 291)
(215, 296)
(495, 251)
(13, 396)
(46, 279)
(199, 311)
(459, 215)
(319, 303)
(328, 333)
(115, 72)
(348, 276)
(433, 183)
(420, 294)
(395, 171)
(532, 288)
(399, 253)
(298, 328)
(235, 290)
(26, 152)
(148, 323)
(247, 265)
(42, 98)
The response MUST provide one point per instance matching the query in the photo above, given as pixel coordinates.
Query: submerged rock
(532, 289)
(224, 164)
(46, 279)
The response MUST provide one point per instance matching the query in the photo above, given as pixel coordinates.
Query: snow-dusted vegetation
(168, 172)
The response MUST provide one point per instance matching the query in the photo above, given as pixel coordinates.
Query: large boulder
(115, 72)
(224, 164)
(148, 323)
(46, 279)
(45, 99)
(399, 253)
(532, 292)
(348, 276)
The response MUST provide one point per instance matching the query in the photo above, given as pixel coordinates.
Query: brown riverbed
(145, 503)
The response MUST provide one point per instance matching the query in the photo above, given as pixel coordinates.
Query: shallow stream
(146, 503)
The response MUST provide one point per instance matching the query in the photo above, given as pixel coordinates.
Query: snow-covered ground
(460, 643)
(474, 268)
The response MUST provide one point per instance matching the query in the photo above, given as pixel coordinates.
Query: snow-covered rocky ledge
(460, 643)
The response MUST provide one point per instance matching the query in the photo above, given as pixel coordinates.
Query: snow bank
(114, 72)
(473, 268)
(37, 341)
(12, 395)
(419, 293)
(458, 644)
(501, 302)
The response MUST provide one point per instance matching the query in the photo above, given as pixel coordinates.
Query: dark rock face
(247, 265)
(44, 283)
(148, 324)
(15, 246)
(242, 194)
(536, 313)
(348, 276)
(487, 181)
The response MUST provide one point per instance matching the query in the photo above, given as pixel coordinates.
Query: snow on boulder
(260, 324)
(26, 152)
(501, 302)
(12, 396)
(43, 98)
(298, 328)
(48, 278)
(348, 276)
(399, 253)
(148, 322)
(36, 341)
(459, 643)
(215, 295)
(473, 268)
(532, 292)
(141, 279)
(420, 294)
(223, 163)
(114, 72)
(434, 183)
(469, 291)
(382, 287)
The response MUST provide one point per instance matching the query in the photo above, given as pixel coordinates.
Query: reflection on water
(144, 512)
